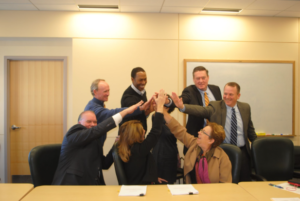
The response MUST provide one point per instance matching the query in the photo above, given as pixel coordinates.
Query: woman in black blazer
(134, 148)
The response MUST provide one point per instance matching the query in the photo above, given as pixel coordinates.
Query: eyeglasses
(202, 131)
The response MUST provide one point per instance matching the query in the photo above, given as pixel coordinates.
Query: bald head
(87, 119)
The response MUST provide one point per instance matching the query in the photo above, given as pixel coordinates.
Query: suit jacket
(219, 166)
(129, 98)
(81, 157)
(216, 112)
(191, 95)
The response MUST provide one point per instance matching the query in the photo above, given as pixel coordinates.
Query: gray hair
(80, 115)
(94, 85)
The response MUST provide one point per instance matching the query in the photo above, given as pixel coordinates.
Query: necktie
(233, 137)
(206, 103)
(206, 99)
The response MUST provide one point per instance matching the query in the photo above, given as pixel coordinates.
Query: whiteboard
(268, 87)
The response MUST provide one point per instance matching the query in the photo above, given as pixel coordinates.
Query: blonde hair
(130, 133)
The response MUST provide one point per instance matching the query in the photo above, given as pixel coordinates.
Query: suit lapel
(223, 113)
(242, 112)
(198, 95)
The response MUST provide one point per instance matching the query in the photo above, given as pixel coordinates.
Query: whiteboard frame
(186, 61)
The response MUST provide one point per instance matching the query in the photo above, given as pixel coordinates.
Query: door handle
(14, 127)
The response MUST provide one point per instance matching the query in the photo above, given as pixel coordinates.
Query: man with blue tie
(234, 116)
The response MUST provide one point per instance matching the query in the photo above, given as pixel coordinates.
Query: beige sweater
(219, 166)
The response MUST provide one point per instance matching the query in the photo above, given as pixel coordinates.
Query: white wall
(109, 45)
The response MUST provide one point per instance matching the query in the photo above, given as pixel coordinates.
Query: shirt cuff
(183, 109)
(117, 118)
(170, 103)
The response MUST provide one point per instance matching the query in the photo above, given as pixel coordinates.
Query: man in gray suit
(234, 116)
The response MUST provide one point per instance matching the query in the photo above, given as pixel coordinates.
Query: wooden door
(36, 106)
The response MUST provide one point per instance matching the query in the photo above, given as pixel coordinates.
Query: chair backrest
(297, 157)
(235, 156)
(43, 161)
(119, 167)
(273, 158)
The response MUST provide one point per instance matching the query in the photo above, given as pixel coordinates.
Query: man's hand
(146, 105)
(177, 101)
(160, 101)
(131, 109)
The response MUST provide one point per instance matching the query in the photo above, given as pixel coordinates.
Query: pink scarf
(202, 171)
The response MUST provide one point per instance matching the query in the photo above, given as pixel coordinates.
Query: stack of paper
(133, 190)
(182, 189)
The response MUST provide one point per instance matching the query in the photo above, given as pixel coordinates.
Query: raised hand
(131, 109)
(177, 101)
(160, 100)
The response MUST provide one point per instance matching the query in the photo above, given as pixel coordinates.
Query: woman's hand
(160, 180)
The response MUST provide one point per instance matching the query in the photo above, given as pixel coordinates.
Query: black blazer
(141, 167)
(81, 157)
(129, 98)
(191, 95)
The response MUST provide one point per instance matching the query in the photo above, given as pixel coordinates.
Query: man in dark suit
(81, 157)
(234, 116)
(195, 95)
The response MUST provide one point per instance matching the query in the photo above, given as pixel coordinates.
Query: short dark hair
(234, 84)
(136, 70)
(200, 68)
(171, 108)
(80, 115)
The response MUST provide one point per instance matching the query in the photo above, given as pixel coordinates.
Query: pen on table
(276, 186)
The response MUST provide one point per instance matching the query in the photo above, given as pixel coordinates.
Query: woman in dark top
(165, 153)
(134, 148)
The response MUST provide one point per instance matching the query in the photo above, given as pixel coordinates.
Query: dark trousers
(246, 165)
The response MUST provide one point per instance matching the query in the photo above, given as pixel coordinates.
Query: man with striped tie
(234, 116)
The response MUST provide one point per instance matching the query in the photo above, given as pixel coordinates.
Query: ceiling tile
(295, 7)
(185, 3)
(259, 12)
(228, 3)
(97, 2)
(141, 2)
(193, 10)
(271, 5)
(51, 2)
(17, 7)
(15, 1)
(140, 9)
(57, 7)
(288, 14)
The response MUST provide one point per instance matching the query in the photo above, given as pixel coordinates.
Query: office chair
(119, 167)
(296, 162)
(273, 159)
(43, 161)
(235, 156)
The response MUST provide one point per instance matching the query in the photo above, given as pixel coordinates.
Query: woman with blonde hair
(134, 148)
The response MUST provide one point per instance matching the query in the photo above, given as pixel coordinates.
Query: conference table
(263, 191)
(14, 192)
(217, 192)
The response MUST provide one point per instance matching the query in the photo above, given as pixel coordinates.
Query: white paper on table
(285, 199)
(288, 187)
(182, 189)
(133, 190)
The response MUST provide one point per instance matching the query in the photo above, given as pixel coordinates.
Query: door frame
(7, 178)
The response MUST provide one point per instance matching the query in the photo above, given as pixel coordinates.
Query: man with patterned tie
(199, 94)
(234, 116)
